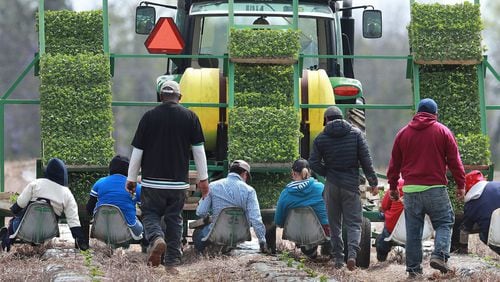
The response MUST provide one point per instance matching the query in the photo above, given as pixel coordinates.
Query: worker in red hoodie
(391, 209)
(422, 152)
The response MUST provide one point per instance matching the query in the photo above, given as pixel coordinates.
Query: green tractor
(325, 78)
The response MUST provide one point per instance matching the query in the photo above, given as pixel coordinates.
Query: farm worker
(162, 144)
(53, 188)
(337, 153)
(303, 191)
(232, 191)
(109, 190)
(421, 153)
(481, 200)
(392, 209)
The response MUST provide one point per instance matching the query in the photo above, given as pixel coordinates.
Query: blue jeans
(169, 204)
(383, 247)
(435, 203)
(199, 234)
(137, 228)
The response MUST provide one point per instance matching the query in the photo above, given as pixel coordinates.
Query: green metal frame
(413, 69)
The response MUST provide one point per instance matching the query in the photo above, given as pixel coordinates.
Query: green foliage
(266, 79)
(69, 32)
(80, 184)
(474, 149)
(258, 43)
(255, 99)
(456, 204)
(268, 187)
(264, 135)
(454, 88)
(76, 115)
(445, 32)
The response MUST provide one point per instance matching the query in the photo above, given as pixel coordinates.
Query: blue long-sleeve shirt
(303, 193)
(233, 192)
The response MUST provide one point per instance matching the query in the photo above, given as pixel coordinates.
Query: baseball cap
(472, 178)
(427, 105)
(241, 163)
(164, 85)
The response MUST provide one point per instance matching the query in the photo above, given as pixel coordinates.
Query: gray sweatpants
(344, 208)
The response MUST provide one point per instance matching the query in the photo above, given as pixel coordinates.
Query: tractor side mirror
(372, 23)
(145, 19)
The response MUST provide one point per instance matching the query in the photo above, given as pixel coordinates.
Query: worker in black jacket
(337, 153)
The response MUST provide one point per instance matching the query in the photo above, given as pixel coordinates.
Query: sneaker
(415, 275)
(351, 264)
(156, 251)
(381, 257)
(440, 265)
(339, 264)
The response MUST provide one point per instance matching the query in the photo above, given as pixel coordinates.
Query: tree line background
(384, 81)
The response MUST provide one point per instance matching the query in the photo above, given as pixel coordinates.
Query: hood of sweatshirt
(301, 187)
(422, 120)
(337, 128)
(475, 191)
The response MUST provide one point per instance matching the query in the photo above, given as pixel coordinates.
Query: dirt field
(58, 261)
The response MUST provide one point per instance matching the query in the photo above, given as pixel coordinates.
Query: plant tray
(447, 62)
(264, 60)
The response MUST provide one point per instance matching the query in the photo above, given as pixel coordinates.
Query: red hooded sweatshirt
(422, 151)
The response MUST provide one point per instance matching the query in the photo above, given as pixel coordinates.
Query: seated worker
(481, 199)
(391, 209)
(109, 190)
(303, 191)
(232, 191)
(53, 189)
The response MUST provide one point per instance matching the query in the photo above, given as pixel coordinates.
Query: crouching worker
(109, 190)
(304, 191)
(481, 199)
(52, 189)
(232, 191)
(391, 209)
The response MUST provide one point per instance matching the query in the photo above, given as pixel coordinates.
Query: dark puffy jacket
(338, 152)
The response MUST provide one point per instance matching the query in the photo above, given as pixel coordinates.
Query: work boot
(351, 264)
(381, 257)
(156, 252)
(440, 265)
(415, 275)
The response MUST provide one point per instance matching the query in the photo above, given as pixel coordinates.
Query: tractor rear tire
(365, 244)
(363, 257)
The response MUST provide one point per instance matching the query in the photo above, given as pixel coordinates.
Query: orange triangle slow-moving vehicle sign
(165, 38)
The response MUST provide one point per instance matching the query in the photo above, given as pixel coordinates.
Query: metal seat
(494, 231)
(398, 235)
(110, 226)
(38, 224)
(302, 226)
(230, 228)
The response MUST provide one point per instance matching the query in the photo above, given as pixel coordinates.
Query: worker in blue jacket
(481, 199)
(303, 191)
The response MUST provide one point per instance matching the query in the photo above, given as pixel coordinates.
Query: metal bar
(296, 80)
(152, 104)
(105, 27)
(295, 22)
(482, 100)
(258, 26)
(164, 56)
(2, 150)
(492, 107)
(231, 83)
(374, 57)
(492, 70)
(22, 102)
(359, 106)
(41, 27)
(416, 86)
(20, 78)
(230, 10)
